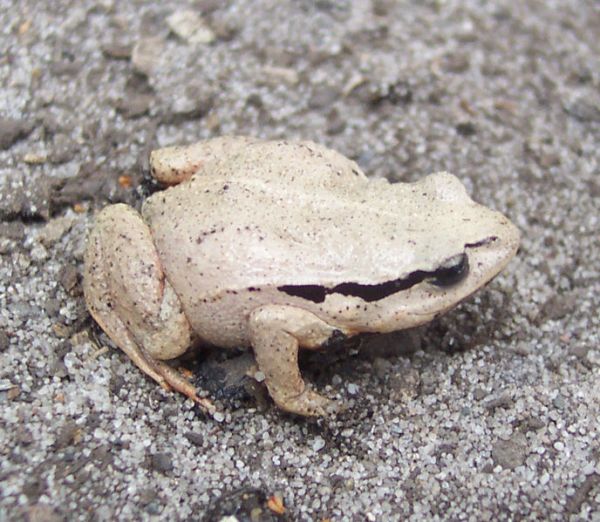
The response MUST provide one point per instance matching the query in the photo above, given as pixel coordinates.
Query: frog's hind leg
(276, 332)
(172, 165)
(129, 297)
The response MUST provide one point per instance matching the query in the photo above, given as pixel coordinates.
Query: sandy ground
(489, 413)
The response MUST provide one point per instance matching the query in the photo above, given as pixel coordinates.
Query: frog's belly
(222, 320)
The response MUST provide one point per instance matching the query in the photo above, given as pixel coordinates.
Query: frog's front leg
(129, 297)
(276, 332)
(172, 165)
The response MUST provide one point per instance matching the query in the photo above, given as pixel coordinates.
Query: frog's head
(460, 247)
(427, 247)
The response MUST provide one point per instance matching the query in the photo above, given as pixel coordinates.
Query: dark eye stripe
(448, 274)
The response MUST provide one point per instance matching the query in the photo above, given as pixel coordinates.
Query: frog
(277, 246)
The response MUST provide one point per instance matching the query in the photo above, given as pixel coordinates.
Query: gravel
(489, 413)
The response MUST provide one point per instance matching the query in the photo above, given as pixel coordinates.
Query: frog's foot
(172, 165)
(275, 334)
(129, 297)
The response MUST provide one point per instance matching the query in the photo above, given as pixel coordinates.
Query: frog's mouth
(449, 273)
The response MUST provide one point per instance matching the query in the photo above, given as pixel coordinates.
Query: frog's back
(288, 213)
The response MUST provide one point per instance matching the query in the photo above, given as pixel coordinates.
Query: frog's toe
(308, 404)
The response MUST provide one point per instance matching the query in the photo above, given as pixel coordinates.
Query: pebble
(197, 439)
(55, 229)
(191, 103)
(508, 453)
(322, 96)
(559, 306)
(191, 27)
(584, 109)
(318, 444)
(161, 462)
(13, 130)
(117, 50)
(352, 388)
(146, 54)
(4, 341)
(69, 278)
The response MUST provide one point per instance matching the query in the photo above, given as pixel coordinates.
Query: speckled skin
(212, 256)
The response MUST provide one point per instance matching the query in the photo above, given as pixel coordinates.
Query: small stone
(69, 278)
(35, 158)
(43, 513)
(584, 109)
(408, 381)
(533, 424)
(24, 437)
(335, 123)
(218, 416)
(12, 230)
(117, 50)
(277, 75)
(146, 54)
(161, 462)
(559, 402)
(479, 394)
(4, 341)
(466, 128)
(381, 7)
(13, 130)
(135, 106)
(153, 508)
(197, 439)
(68, 434)
(322, 96)
(456, 62)
(508, 453)
(582, 493)
(559, 306)
(191, 104)
(191, 27)
(54, 230)
(318, 444)
(504, 400)
(352, 388)
(381, 367)
(579, 350)
(63, 149)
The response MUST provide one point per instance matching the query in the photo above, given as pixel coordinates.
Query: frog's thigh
(172, 165)
(129, 297)
(275, 334)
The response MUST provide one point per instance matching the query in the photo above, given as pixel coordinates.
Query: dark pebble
(12, 230)
(322, 96)
(335, 123)
(584, 110)
(25, 197)
(4, 341)
(117, 50)
(12, 130)
(63, 150)
(559, 306)
(197, 439)
(134, 106)
(69, 279)
(52, 307)
(466, 128)
(508, 453)
(161, 462)
(193, 105)
(504, 400)
(66, 435)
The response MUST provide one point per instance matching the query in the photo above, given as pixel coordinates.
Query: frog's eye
(451, 272)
